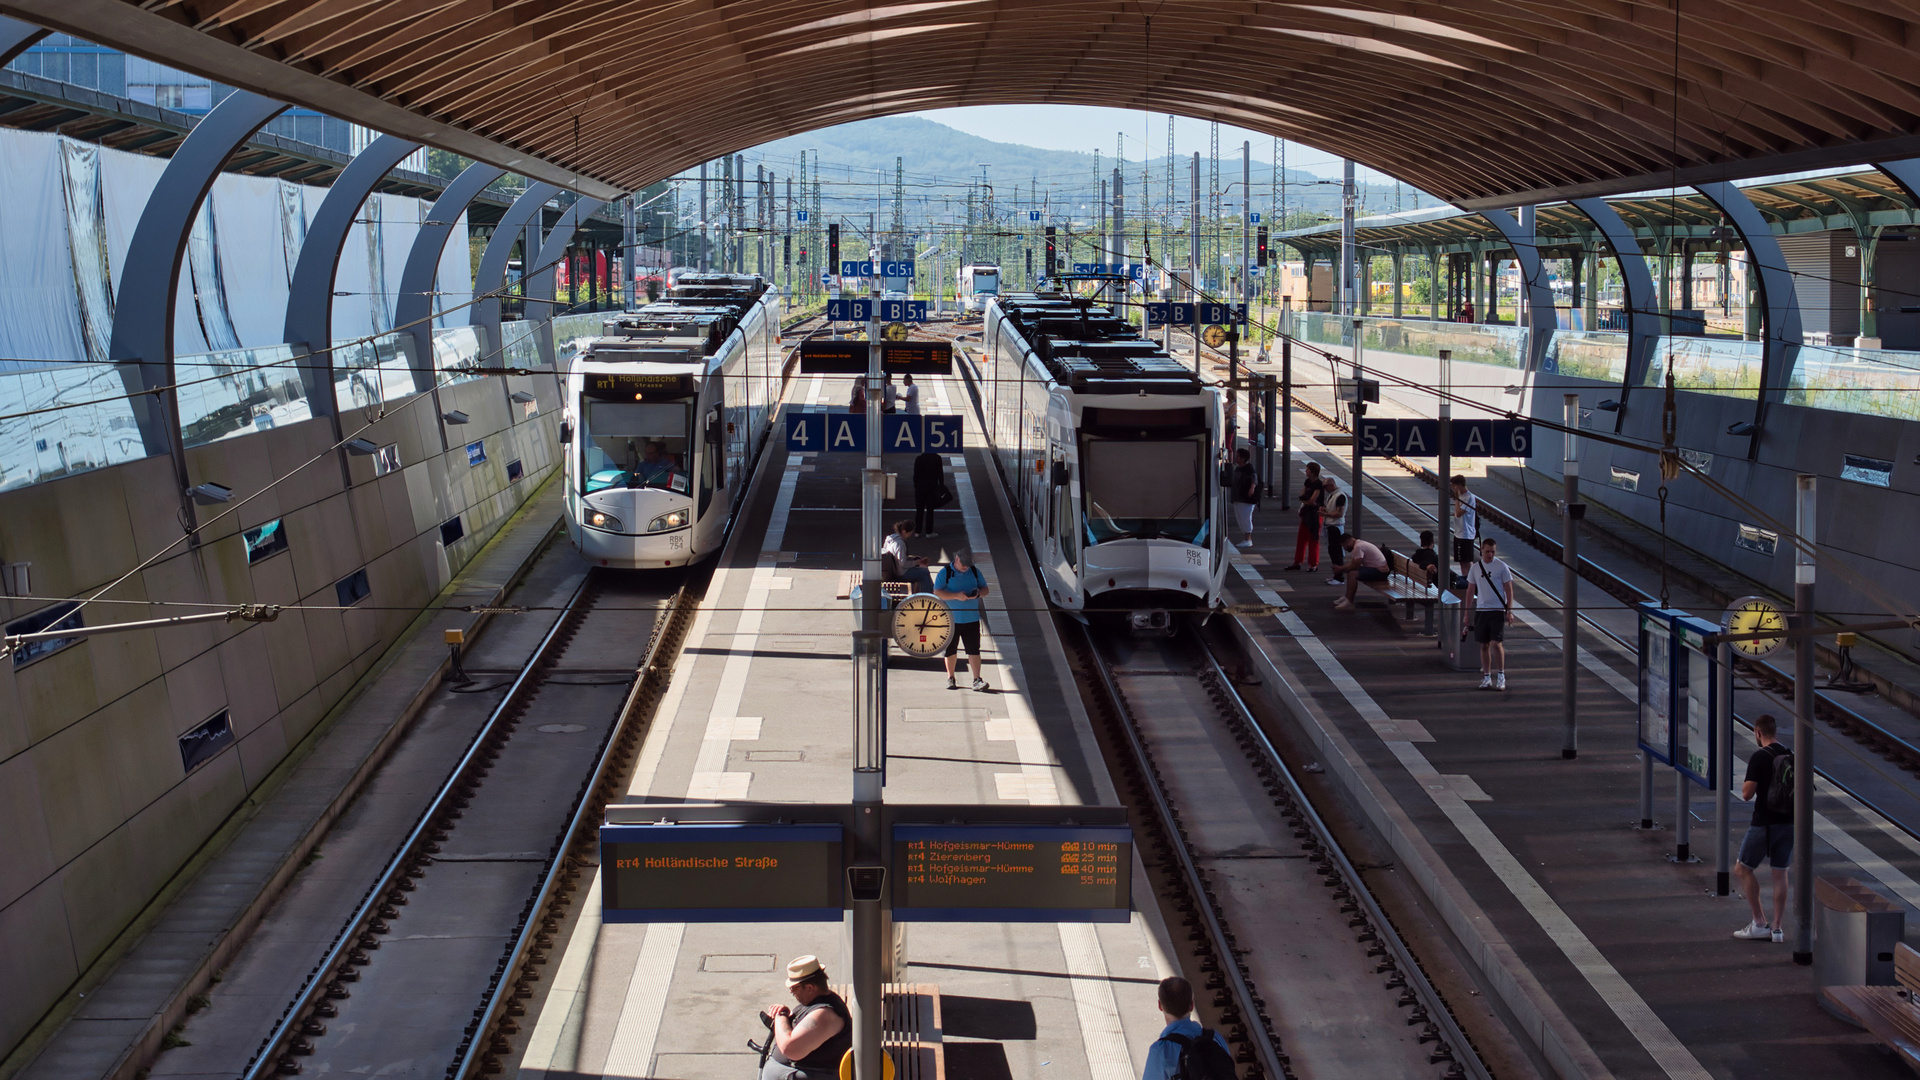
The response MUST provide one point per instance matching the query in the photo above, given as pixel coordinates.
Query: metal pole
(1193, 260)
(1349, 271)
(1723, 771)
(868, 948)
(1359, 411)
(1570, 514)
(1286, 419)
(1682, 817)
(1803, 524)
(1246, 230)
(1445, 549)
(703, 216)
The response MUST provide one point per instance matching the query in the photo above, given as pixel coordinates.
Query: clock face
(1753, 615)
(922, 625)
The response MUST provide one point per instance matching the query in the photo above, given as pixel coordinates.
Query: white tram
(667, 411)
(977, 284)
(1111, 451)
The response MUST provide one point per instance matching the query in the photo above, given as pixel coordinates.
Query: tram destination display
(720, 873)
(1012, 873)
(827, 357)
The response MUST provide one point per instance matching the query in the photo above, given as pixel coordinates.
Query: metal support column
(1286, 420)
(869, 775)
(1723, 772)
(413, 309)
(142, 341)
(1445, 523)
(1359, 411)
(1346, 289)
(1193, 256)
(1804, 525)
(1571, 511)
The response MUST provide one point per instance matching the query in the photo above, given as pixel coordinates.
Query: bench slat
(1882, 1010)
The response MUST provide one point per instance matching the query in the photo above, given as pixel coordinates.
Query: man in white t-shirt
(1490, 599)
(1466, 523)
(1365, 562)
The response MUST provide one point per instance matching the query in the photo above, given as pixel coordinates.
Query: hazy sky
(1086, 128)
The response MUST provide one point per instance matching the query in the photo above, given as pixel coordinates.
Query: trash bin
(1854, 932)
(1460, 655)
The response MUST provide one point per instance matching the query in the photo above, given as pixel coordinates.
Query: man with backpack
(1185, 1050)
(1769, 787)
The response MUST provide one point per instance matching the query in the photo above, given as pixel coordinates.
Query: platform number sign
(1389, 436)
(900, 433)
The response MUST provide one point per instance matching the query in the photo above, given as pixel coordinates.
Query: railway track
(473, 894)
(1236, 852)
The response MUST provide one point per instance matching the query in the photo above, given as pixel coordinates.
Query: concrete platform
(1616, 960)
(759, 710)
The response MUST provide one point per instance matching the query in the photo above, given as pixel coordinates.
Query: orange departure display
(707, 872)
(1012, 873)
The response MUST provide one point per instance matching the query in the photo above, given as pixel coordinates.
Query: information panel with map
(721, 873)
(1012, 873)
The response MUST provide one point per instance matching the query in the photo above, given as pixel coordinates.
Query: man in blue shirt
(962, 586)
(1176, 1004)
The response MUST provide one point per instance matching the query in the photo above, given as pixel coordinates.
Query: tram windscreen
(1144, 488)
(635, 444)
(986, 283)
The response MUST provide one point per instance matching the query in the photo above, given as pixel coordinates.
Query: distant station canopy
(1476, 102)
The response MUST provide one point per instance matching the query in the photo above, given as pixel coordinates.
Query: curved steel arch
(491, 276)
(540, 285)
(1542, 319)
(309, 326)
(1780, 333)
(1643, 319)
(413, 310)
(17, 37)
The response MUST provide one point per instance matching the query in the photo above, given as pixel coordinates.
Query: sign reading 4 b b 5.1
(1387, 436)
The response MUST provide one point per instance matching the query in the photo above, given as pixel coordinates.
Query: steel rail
(1408, 966)
(266, 1060)
(1270, 1058)
(506, 986)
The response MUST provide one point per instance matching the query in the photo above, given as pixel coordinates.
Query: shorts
(968, 632)
(1463, 549)
(1771, 842)
(1489, 626)
(1368, 573)
(1243, 517)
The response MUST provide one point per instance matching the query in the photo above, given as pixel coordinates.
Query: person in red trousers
(1306, 549)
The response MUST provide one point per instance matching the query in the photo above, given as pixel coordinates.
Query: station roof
(1812, 202)
(1481, 102)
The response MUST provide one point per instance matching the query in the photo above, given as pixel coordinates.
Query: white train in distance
(1112, 455)
(667, 412)
(977, 284)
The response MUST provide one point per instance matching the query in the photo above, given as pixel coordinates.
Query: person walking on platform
(1769, 788)
(1185, 1050)
(1466, 523)
(963, 587)
(1490, 598)
(1306, 545)
(909, 397)
(808, 1042)
(1333, 512)
(857, 401)
(929, 492)
(1246, 495)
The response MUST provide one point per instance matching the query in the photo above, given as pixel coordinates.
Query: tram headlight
(665, 522)
(600, 519)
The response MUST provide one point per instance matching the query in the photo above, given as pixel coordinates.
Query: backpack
(1202, 1057)
(1780, 787)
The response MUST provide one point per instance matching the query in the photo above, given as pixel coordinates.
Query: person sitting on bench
(897, 565)
(1427, 558)
(1365, 562)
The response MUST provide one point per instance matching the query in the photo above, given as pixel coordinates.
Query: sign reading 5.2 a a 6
(1388, 436)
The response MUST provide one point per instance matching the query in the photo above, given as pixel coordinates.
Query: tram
(667, 411)
(977, 285)
(1111, 452)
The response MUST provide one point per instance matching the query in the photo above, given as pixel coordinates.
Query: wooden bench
(1406, 583)
(1888, 1012)
(910, 1029)
(894, 591)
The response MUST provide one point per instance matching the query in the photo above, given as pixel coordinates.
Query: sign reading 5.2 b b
(1388, 436)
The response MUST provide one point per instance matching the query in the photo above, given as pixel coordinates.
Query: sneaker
(1753, 932)
(951, 684)
(1500, 680)
(979, 684)
(1335, 581)
(1314, 569)
(1244, 544)
(1779, 936)
(1294, 569)
(1486, 681)
(1343, 602)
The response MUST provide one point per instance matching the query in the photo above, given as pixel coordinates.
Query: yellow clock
(1751, 615)
(922, 625)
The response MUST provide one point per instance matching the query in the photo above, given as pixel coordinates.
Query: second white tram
(1111, 451)
(667, 411)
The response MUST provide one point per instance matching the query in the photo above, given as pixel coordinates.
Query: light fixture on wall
(209, 494)
(363, 447)
(454, 416)
(1741, 428)
(520, 397)
(1608, 405)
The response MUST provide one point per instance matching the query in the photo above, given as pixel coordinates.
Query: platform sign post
(1723, 770)
(1570, 513)
(1445, 550)
(1803, 690)
(1359, 411)
(1654, 727)
(866, 874)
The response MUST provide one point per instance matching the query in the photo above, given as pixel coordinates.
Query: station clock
(922, 625)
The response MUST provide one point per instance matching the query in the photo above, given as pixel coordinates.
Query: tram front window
(634, 444)
(1144, 488)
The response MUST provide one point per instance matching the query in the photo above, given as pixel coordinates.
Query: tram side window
(1145, 488)
(635, 444)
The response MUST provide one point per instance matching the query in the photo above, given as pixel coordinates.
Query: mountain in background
(857, 162)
